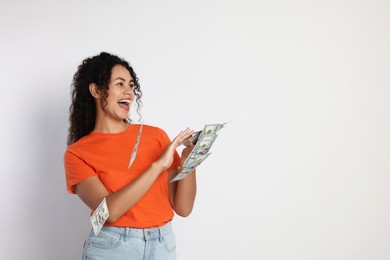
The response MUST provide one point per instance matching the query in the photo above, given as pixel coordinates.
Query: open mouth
(124, 103)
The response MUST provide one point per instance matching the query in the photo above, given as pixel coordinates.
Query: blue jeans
(131, 243)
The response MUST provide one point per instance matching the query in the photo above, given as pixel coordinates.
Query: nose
(129, 92)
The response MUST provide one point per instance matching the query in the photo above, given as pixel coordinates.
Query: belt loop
(125, 234)
(161, 234)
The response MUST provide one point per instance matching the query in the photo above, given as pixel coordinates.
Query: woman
(129, 165)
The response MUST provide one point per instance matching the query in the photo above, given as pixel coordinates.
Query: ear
(93, 89)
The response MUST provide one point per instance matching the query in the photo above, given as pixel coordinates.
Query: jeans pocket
(104, 240)
(169, 242)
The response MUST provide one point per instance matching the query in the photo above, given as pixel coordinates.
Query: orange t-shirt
(108, 155)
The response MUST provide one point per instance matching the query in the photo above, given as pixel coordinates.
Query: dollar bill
(210, 129)
(182, 174)
(195, 160)
(135, 149)
(203, 146)
(99, 217)
(213, 129)
(203, 141)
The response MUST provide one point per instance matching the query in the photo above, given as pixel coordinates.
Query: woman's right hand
(166, 158)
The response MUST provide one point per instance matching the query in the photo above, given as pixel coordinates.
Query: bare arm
(183, 192)
(92, 191)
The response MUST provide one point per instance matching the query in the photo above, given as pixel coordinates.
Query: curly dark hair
(96, 69)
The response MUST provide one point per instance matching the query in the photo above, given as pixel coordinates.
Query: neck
(110, 126)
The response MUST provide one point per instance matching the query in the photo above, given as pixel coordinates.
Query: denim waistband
(142, 233)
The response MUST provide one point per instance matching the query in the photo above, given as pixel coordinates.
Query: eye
(120, 84)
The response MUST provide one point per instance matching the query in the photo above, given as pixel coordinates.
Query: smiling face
(120, 95)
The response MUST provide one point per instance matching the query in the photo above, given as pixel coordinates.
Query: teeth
(125, 101)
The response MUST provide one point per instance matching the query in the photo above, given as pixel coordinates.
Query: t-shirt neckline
(129, 129)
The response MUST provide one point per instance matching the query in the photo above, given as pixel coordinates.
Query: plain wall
(302, 170)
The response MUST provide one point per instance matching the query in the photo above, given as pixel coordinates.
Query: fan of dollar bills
(203, 141)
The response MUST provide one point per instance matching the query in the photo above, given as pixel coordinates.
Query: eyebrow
(123, 79)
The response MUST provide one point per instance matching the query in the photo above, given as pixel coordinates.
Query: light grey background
(301, 172)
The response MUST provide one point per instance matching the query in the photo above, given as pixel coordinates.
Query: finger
(178, 136)
(186, 135)
(178, 140)
(189, 139)
(184, 132)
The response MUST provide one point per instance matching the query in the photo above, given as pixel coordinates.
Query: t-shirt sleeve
(76, 170)
(176, 158)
